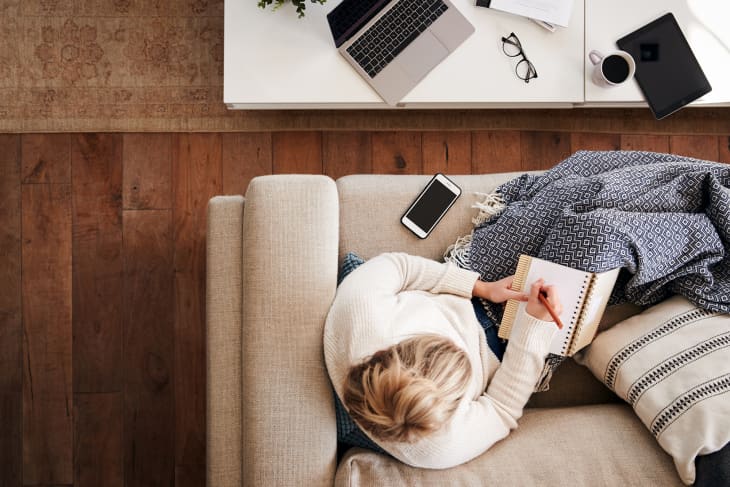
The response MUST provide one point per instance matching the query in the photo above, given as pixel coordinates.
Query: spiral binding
(588, 286)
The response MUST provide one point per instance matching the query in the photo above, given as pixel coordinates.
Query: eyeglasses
(512, 47)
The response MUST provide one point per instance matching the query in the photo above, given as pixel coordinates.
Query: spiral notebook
(584, 296)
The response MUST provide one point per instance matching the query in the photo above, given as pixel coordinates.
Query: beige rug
(157, 65)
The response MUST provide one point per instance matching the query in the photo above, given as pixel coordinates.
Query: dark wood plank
(148, 362)
(542, 150)
(11, 439)
(724, 148)
(446, 152)
(397, 153)
(189, 477)
(591, 141)
(98, 445)
(11, 371)
(97, 262)
(46, 158)
(652, 143)
(700, 146)
(147, 171)
(297, 152)
(47, 291)
(11, 348)
(245, 156)
(346, 153)
(494, 152)
(196, 178)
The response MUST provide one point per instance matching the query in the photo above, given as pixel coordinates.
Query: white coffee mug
(613, 69)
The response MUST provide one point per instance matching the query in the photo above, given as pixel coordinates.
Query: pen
(553, 314)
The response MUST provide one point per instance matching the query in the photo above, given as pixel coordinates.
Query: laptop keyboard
(392, 32)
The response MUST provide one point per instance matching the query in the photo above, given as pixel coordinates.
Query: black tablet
(666, 68)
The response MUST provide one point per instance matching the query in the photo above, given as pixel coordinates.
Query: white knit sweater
(395, 296)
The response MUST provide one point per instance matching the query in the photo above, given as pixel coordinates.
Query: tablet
(666, 68)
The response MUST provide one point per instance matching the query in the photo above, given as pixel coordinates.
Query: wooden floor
(102, 276)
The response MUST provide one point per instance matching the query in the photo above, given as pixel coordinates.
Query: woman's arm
(391, 273)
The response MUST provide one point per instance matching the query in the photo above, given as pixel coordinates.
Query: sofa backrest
(370, 210)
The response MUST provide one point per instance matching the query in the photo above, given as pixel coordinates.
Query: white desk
(274, 60)
(703, 22)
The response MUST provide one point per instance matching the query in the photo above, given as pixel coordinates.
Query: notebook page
(593, 308)
(571, 285)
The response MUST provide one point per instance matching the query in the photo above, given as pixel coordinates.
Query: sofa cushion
(371, 207)
(564, 446)
(672, 364)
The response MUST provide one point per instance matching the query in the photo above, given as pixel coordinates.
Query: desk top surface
(703, 22)
(273, 57)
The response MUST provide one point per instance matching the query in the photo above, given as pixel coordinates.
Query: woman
(411, 364)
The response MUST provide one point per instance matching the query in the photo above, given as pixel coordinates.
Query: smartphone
(430, 205)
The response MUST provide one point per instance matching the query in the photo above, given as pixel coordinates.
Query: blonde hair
(409, 390)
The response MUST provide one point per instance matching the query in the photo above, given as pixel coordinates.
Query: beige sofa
(271, 277)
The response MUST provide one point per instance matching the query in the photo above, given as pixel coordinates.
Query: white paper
(553, 11)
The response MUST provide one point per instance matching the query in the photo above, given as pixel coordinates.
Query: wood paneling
(196, 179)
(446, 152)
(652, 143)
(397, 153)
(149, 403)
(699, 146)
(346, 153)
(47, 381)
(46, 158)
(11, 372)
(724, 148)
(97, 255)
(297, 152)
(98, 440)
(10, 265)
(589, 141)
(542, 150)
(245, 156)
(147, 171)
(496, 151)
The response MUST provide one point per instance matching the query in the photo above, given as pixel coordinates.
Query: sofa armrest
(223, 340)
(290, 242)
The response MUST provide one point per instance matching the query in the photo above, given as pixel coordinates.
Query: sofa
(272, 263)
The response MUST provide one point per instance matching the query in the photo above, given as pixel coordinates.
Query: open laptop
(393, 44)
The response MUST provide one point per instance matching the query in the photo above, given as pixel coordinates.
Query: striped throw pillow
(671, 363)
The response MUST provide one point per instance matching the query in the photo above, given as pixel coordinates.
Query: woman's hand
(535, 308)
(497, 291)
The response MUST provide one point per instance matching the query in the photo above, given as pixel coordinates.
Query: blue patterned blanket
(664, 219)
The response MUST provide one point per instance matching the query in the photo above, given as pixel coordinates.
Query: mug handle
(595, 57)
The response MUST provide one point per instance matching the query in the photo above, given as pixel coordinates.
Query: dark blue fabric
(713, 470)
(496, 344)
(348, 432)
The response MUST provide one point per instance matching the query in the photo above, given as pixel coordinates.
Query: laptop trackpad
(421, 56)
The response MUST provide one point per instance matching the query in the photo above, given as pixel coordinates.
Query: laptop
(394, 44)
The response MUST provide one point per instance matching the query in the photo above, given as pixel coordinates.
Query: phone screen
(431, 205)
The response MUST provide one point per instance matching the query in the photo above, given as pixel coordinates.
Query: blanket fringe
(552, 362)
(492, 204)
(459, 252)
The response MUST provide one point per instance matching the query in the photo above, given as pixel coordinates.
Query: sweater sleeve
(391, 273)
(479, 424)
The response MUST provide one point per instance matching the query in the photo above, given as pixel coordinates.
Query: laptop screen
(347, 18)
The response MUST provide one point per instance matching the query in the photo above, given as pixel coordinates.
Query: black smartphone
(430, 205)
